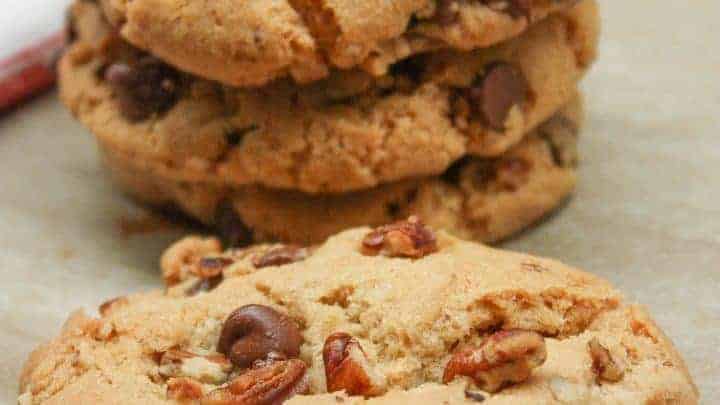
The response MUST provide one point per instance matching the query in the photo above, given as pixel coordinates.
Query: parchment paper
(646, 214)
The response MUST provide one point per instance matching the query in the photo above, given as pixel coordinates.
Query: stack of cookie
(292, 120)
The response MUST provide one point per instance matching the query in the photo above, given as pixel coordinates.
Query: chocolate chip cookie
(399, 314)
(482, 199)
(351, 131)
(249, 43)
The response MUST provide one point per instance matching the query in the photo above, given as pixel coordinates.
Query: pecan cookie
(249, 43)
(396, 315)
(482, 199)
(348, 132)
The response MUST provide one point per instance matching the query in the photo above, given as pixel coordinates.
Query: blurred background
(646, 214)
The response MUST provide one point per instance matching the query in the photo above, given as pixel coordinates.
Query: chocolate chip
(253, 332)
(446, 12)
(212, 266)
(144, 88)
(496, 92)
(280, 256)
(475, 396)
(232, 230)
(204, 285)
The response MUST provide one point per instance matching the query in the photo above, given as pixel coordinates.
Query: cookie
(482, 199)
(397, 315)
(348, 132)
(250, 43)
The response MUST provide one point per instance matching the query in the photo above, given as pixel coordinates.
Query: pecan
(280, 256)
(504, 358)
(184, 389)
(603, 364)
(273, 383)
(408, 238)
(179, 259)
(347, 367)
(252, 332)
(208, 369)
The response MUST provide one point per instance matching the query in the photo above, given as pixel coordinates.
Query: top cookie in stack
(323, 99)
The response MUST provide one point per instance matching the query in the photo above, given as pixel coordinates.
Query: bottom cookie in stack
(482, 199)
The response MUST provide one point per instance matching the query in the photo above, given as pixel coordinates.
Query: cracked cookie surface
(348, 132)
(358, 314)
(249, 43)
(481, 199)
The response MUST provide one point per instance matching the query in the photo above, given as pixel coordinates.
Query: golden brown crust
(282, 136)
(468, 292)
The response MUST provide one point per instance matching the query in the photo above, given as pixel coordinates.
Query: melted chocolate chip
(144, 88)
(495, 93)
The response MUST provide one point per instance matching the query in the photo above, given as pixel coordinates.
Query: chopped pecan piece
(253, 332)
(347, 367)
(179, 259)
(184, 389)
(506, 357)
(208, 369)
(408, 238)
(273, 383)
(603, 364)
(280, 256)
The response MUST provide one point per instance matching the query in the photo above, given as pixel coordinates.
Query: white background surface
(646, 214)
(24, 22)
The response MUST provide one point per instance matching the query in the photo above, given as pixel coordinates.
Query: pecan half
(506, 357)
(184, 389)
(603, 364)
(280, 256)
(347, 367)
(408, 238)
(273, 383)
(207, 369)
(252, 332)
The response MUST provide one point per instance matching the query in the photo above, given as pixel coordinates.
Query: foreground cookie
(481, 199)
(349, 132)
(397, 315)
(249, 43)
